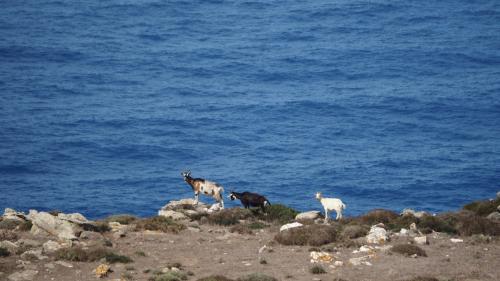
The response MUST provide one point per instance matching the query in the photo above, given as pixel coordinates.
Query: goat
(204, 186)
(249, 199)
(331, 204)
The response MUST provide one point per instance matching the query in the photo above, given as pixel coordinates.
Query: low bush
(89, 255)
(215, 278)
(423, 278)
(378, 216)
(354, 231)
(483, 208)
(317, 269)
(160, 223)
(9, 224)
(4, 252)
(312, 235)
(279, 213)
(170, 276)
(429, 223)
(468, 223)
(25, 226)
(100, 226)
(122, 219)
(402, 222)
(241, 229)
(257, 277)
(408, 250)
(229, 216)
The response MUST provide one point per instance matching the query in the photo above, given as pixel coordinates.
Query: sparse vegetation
(81, 255)
(25, 226)
(263, 261)
(467, 223)
(423, 278)
(354, 231)
(483, 208)
(317, 269)
(312, 235)
(257, 225)
(122, 219)
(378, 216)
(8, 235)
(9, 224)
(215, 278)
(429, 223)
(241, 229)
(140, 253)
(408, 250)
(100, 226)
(229, 216)
(160, 223)
(126, 276)
(257, 277)
(169, 276)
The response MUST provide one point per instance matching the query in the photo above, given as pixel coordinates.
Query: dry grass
(468, 223)
(354, 231)
(215, 278)
(427, 224)
(257, 277)
(312, 235)
(423, 278)
(122, 219)
(241, 229)
(229, 216)
(4, 252)
(408, 250)
(9, 224)
(89, 255)
(378, 216)
(160, 223)
(317, 269)
(8, 235)
(483, 208)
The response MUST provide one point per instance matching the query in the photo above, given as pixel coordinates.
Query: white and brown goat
(204, 186)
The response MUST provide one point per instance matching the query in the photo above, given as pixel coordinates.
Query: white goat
(331, 204)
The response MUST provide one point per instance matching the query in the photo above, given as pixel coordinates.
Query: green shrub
(468, 223)
(402, 222)
(115, 258)
(317, 269)
(428, 223)
(279, 213)
(354, 231)
(312, 235)
(170, 276)
(257, 277)
(257, 225)
(160, 223)
(408, 250)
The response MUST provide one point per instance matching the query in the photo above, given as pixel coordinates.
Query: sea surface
(384, 104)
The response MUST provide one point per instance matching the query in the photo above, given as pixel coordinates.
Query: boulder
(61, 228)
(498, 194)
(91, 235)
(322, 257)
(11, 247)
(360, 260)
(26, 275)
(421, 240)
(404, 232)
(75, 218)
(28, 243)
(172, 214)
(494, 216)
(498, 208)
(414, 213)
(11, 214)
(311, 215)
(377, 235)
(290, 225)
(33, 253)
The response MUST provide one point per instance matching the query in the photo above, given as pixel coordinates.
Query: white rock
(456, 240)
(76, 218)
(63, 229)
(413, 227)
(214, 208)
(310, 215)
(50, 247)
(11, 247)
(11, 214)
(49, 266)
(290, 225)
(360, 260)
(416, 214)
(172, 214)
(498, 194)
(365, 248)
(320, 257)
(421, 240)
(494, 216)
(498, 208)
(377, 235)
(404, 232)
(338, 263)
(26, 275)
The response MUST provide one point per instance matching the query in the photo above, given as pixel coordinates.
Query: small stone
(194, 229)
(404, 232)
(338, 263)
(359, 261)
(498, 194)
(33, 253)
(11, 247)
(456, 240)
(413, 227)
(320, 257)
(49, 266)
(377, 235)
(50, 247)
(422, 240)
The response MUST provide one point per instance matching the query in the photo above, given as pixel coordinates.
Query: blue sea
(384, 104)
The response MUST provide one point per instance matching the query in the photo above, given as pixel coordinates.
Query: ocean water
(384, 104)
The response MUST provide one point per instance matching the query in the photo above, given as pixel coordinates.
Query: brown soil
(214, 250)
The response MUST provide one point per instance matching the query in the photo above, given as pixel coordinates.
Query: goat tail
(343, 206)
(267, 203)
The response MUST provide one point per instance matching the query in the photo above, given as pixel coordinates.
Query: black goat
(249, 199)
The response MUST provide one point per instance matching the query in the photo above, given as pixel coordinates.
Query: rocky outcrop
(11, 214)
(64, 226)
(183, 209)
(26, 275)
(290, 225)
(377, 234)
(310, 215)
(414, 213)
(494, 216)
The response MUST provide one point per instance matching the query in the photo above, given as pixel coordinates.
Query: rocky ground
(198, 242)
